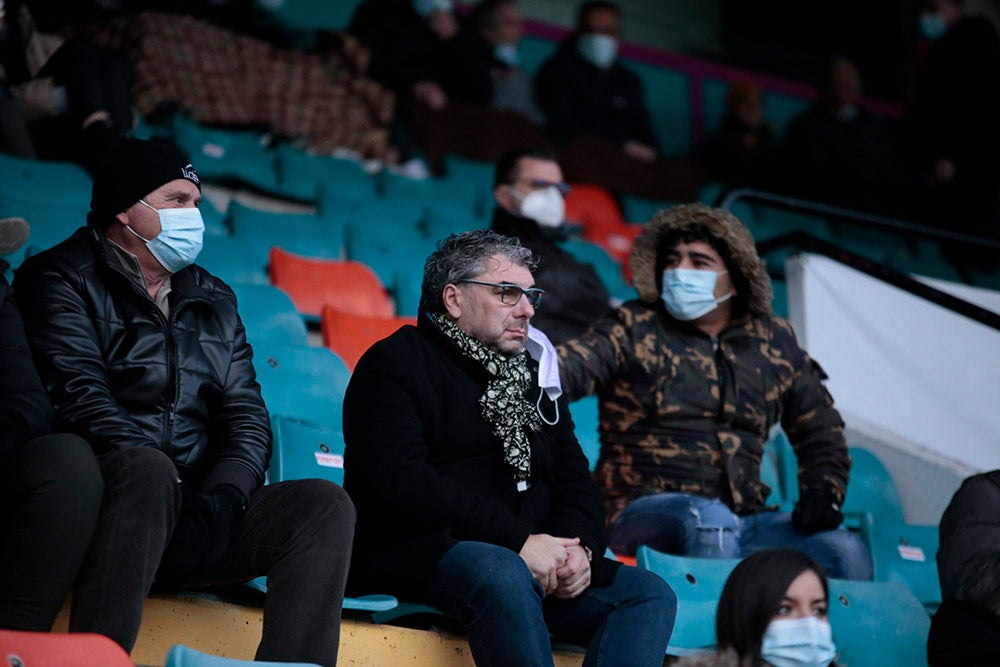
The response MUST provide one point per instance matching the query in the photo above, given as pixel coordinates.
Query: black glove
(207, 525)
(816, 511)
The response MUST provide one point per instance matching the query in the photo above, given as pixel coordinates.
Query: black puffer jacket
(120, 374)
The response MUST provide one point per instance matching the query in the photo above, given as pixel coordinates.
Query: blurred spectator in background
(585, 89)
(489, 37)
(529, 191)
(955, 137)
(597, 114)
(73, 92)
(743, 150)
(497, 25)
(838, 153)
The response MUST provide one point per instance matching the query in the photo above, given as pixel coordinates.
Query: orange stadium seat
(350, 334)
(312, 283)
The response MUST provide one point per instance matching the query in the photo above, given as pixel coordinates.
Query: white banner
(924, 377)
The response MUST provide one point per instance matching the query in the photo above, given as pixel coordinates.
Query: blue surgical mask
(599, 50)
(932, 25)
(690, 293)
(506, 53)
(181, 236)
(798, 642)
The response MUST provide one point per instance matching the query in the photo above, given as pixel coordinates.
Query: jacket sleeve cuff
(234, 474)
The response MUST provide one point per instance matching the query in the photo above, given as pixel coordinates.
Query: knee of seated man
(148, 471)
(323, 498)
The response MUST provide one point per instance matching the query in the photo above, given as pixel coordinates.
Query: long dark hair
(752, 596)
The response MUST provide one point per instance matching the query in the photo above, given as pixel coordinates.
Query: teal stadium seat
(310, 15)
(907, 554)
(63, 183)
(870, 490)
(698, 583)
(225, 155)
(304, 234)
(640, 209)
(668, 99)
(608, 270)
(185, 656)
(769, 475)
(586, 421)
(304, 450)
(269, 316)
(437, 191)
(233, 260)
(302, 382)
(301, 174)
(876, 624)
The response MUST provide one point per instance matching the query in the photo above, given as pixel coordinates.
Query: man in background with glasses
(530, 194)
(472, 492)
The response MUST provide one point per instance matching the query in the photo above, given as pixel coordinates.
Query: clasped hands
(559, 564)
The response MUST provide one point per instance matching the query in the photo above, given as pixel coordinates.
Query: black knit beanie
(131, 170)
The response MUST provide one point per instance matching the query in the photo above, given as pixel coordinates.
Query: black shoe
(14, 233)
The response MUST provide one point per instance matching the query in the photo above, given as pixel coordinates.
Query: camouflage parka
(680, 411)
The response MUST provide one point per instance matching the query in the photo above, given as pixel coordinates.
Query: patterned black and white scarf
(504, 405)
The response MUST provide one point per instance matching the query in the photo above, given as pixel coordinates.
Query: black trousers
(298, 533)
(50, 493)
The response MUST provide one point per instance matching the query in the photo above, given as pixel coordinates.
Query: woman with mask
(692, 376)
(772, 612)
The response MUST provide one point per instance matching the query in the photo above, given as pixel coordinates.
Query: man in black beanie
(145, 356)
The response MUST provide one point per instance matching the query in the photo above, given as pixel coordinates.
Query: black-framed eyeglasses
(510, 294)
(541, 183)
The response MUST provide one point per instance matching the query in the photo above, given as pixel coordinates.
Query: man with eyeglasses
(472, 492)
(529, 193)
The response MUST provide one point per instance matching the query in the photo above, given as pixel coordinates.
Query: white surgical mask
(798, 642)
(546, 206)
(690, 293)
(932, 25)
(599, 50)
(506, 53)
(181, 236)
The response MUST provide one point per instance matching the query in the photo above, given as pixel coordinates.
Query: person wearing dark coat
(838, 153)
(144, 355)
(965, 630)
(597, 116)
(528, 191)
(472, 491)
(50, 484)
(954, 136)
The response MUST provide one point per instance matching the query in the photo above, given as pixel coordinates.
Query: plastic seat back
(607, 269)
(877, 624)
(698, 583)
(58, 183)
(269, 315)
(870, 489)
(348, 285)
(185, 656)
(907, 554)
(305, 450)
(223, 155)
(233, 260)
(79, 649)
(302, 175)
(301, 233)
(302, 382)
(586, 422)
(349, 335)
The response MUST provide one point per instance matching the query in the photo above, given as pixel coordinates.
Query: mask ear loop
(538, 407)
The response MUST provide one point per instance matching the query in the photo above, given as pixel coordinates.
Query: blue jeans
(690, 525)
(508, 617)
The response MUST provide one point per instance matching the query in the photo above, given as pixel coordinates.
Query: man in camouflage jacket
(691, 378)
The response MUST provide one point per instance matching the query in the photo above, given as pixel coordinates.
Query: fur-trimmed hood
(724, 226)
